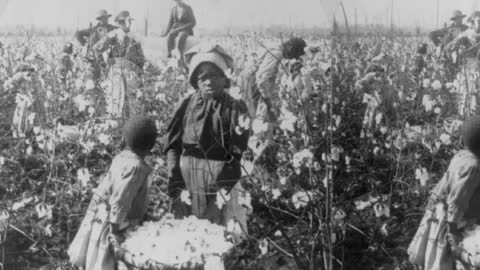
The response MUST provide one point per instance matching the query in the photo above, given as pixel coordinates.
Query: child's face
(210, 80)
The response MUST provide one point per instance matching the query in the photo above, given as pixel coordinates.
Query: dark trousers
(182, 36)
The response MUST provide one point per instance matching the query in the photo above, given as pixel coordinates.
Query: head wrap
(206, 53)
(457, 14)
(294, 48)
(140, 133)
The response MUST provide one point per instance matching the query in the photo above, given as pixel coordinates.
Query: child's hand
(212, 213)
(116, 239)
(453, 239)
(180, 209)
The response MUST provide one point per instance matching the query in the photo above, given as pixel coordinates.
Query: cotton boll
(222, 198)
(436, 85)
(259, 126)
(301, 198)
(190, 240)
(185, 197)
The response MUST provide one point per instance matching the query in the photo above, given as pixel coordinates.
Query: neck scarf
(198, 111)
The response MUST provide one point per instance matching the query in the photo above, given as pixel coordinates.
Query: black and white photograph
(239, 134)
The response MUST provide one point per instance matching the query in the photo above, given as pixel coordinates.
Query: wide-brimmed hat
(102, 13)
(123, 16)
(457, 14)
(207, 53)
(475, 14)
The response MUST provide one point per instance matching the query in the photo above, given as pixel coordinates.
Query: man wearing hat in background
(444, 36)
(467, 46)
(126, 60)
(180, 26)
(92, 35)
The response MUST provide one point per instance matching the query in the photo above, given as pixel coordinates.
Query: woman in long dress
(205, 141)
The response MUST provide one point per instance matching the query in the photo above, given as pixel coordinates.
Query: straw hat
(102, 13)
(457, 14)
(123, 16)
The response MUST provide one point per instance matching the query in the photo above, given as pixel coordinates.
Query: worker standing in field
(467, 44)
(205, 143)
(180, 26)
(65, 65)
(444, 36)
(126, 59)
(89, 36)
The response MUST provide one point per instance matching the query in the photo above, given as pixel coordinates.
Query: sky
(223, 13)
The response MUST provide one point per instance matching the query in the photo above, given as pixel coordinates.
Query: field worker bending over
(89, 36)
(126, 61)
(205, 143)
(258, 82)
(119, 202)
(180, 26)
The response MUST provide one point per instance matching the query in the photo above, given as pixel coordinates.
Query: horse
(179, 51)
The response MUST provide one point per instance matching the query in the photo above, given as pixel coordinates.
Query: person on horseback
(126, 59)
(180, 26)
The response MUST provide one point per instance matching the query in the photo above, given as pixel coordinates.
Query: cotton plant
(83, 176)
(303, 157)
(44, 210)
(288, 120)
(301, 198)
(422, 175)
(222, 198)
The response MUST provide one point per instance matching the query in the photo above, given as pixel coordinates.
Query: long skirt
(121, 95)
(437, 254)
(92, 242)
(468, 88)
(200, 175)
